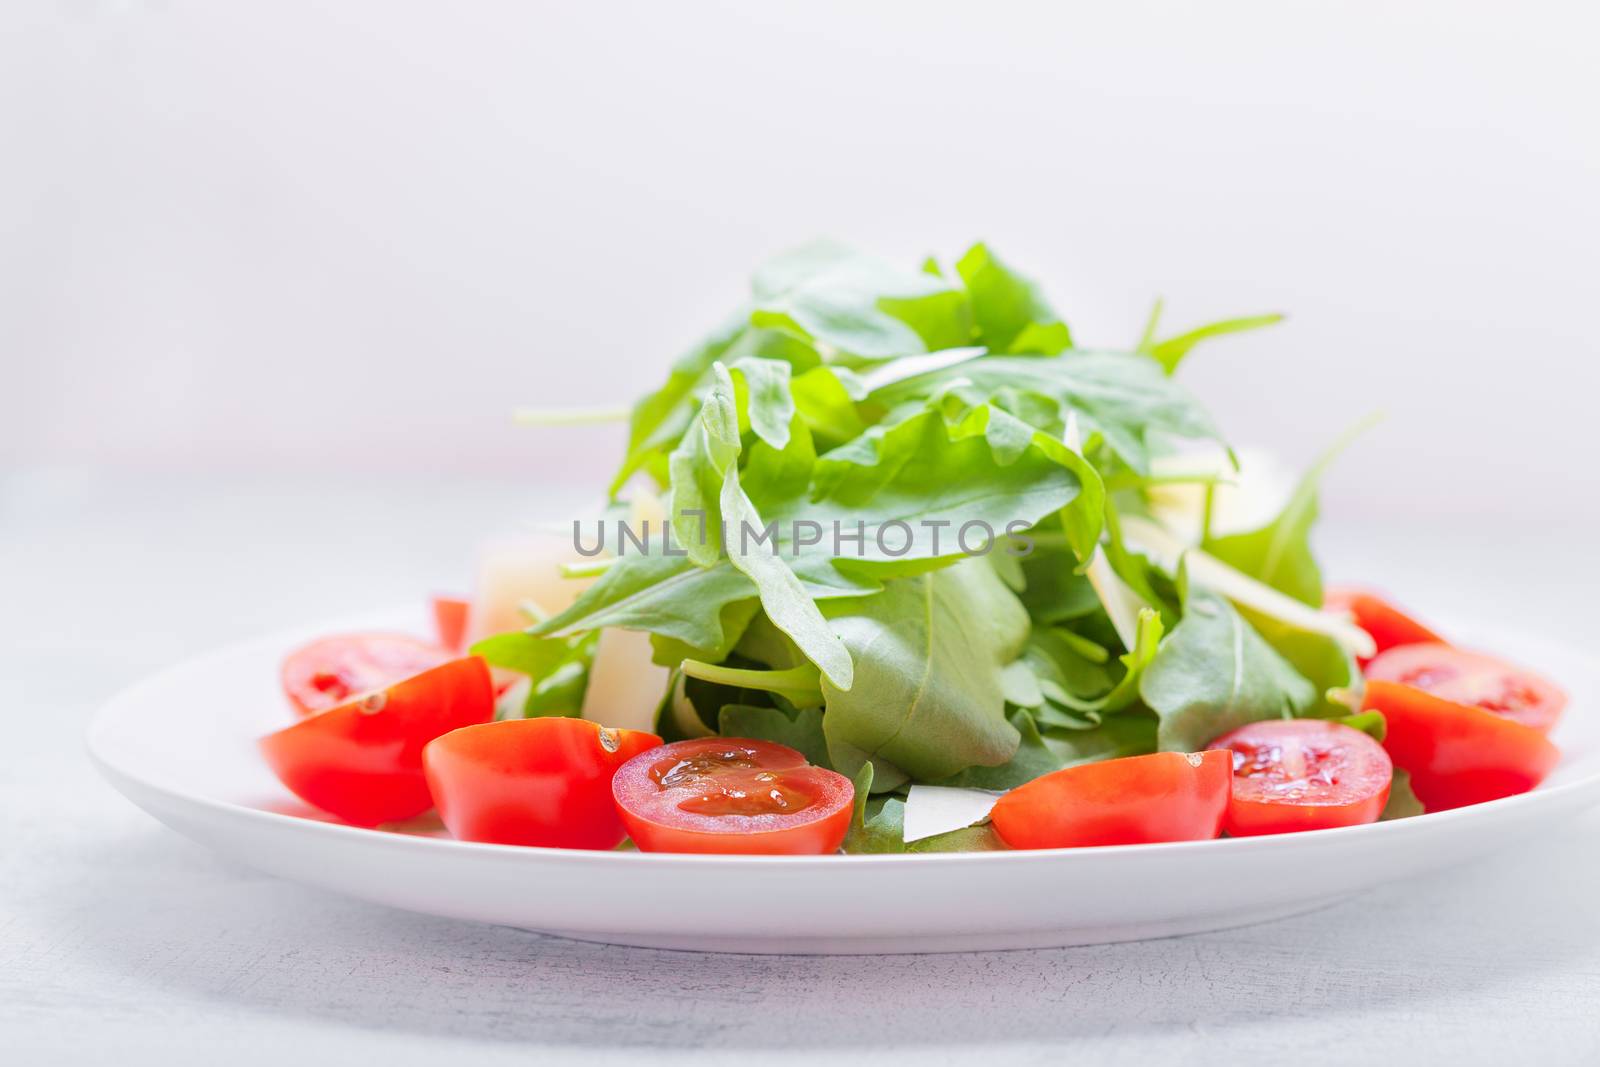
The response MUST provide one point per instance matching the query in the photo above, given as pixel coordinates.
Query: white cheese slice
(938, 809)
(625, 688)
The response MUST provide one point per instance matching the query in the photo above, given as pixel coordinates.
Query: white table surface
(121, 942)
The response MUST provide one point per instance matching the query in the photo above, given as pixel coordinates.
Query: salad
(891, 563)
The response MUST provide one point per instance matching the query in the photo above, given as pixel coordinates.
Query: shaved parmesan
(932, 810)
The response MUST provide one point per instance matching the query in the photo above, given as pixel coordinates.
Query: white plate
(182, 746)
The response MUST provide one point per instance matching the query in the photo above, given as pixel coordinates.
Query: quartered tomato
(450, 621)
(1463, 677)
(1388, 626)
(1458, 754)
(730, 794)
(332, 670)
(532, 781)
(1166, 796)
(1304, 774)
(362, 761)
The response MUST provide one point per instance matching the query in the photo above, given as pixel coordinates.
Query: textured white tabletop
(122, 942)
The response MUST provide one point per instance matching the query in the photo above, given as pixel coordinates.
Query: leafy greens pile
(913, 404)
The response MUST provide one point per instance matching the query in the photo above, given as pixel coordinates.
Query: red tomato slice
(1388, 626)
(1458, 754)
(730, 794)
(532, 781)
(1473, 678)
(334, 670)
(1167, 796)
(1304, 774)
(450, 621)
(362, 761)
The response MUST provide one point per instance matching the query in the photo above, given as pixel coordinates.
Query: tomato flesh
(362, 761)
(1166, 796)
(540, 781)
(334, 670)
(450, 621)
(1304, 774)
(1474, 679)
(1388, 626)
(730, 794)
(1458, 754)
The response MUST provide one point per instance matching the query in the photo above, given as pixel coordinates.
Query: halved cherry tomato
(1304, 774)
(332, 670)
(731, 794)
(362, 761)
(1473, 678)
(1166, 796)
(531, 781)
(450, 621)
(1458, 754)
(1388, 626)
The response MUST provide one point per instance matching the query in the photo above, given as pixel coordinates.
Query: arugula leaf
(859, 306)
(1171, 352)
(1403, 802)
(1131, 733)
(929, 651)
(916, 473)
(763, 398)
(1279, 555)
(707, 452)
(1214, 673)
(1125, 397)
(1012, 316)
(558, 668)
(1033, 758)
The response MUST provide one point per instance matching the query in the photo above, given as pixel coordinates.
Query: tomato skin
(1474, 679)
(1165, 796)
(657, 822)
(1304, 774)
(1458, 754)
(543, 782)
(331, 671)
(362, 761)
(450, 621)
(1388, 626)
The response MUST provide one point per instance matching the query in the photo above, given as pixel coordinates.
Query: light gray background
(272, 275)
(302, 236)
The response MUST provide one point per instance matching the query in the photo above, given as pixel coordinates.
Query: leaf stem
(801, 686)
(568, 416)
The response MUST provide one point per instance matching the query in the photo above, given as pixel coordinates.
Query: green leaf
(915, 473)
(767, 402)
(660, 419)
(1279, 555)
(801, 731)
(1032, 759)
(558, 668)
(665, 595)
(1371, 723)
(1124, 397)
(929, 652)
(859, 306)
(784, 599)
(1132, 733)
(1012, 316)
(1403, 802)
(1213, 674)
(1170, 353)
